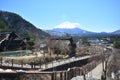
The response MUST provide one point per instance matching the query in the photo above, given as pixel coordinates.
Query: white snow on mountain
(68, 25)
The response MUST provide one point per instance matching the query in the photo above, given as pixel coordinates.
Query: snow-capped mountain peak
(67, 25)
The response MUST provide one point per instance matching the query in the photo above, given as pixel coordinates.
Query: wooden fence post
(61, 75)
(12, 62)
(65, 75)
(54, 76)
(40, 63)
(1, 59)
(22, 63)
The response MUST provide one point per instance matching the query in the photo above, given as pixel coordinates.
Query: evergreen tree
(117, 43)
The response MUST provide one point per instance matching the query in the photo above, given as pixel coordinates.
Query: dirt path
(96, 72)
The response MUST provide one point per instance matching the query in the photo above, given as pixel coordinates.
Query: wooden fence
(52, 75)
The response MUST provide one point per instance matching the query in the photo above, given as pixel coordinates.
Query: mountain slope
(71, 31)
(57, 34)
(116, 32)
(13, 22)
(79, 32)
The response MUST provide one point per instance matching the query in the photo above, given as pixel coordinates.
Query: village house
(10, 41)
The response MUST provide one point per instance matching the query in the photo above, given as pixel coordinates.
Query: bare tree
(57, 46)
(63, 46)
(51, 44)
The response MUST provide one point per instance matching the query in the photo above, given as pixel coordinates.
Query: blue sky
(91, 15)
